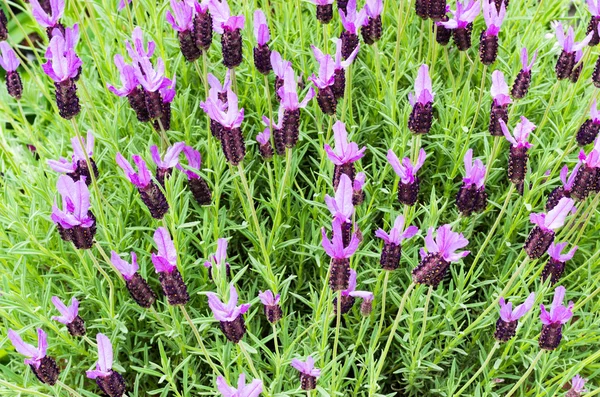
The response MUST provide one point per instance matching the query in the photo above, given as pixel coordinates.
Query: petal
(105, 352)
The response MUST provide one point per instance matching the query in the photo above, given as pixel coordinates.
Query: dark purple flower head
(62, 61)
(578, 383)
(35, 354)
(555, 218)
(465, 14)
(289, 92)
(493, 17)
(8, 59)
(279, 65)
(423, 91)
(226, 311)
(57, 8)
(352, 19)
(508, 314)
(128, 79)
(499, 88)
(341, 206)
(194, 161)
(79, 154)
(558, 314)
(261, 29)
(326, 74)
(397, 234)
(171, 158)
(335, 247)
(219, 258)
(126, 269)
(474, 170)
(75, 204)
(182, 18)
(351, 290)
(165, 261)
(524, 59)
(222, 18)
(567, 42)
(139, 50)
(140, 179)
(230, 117)
(251, 390)
(345, 152)
(373, 8)
(446, 243)
(268, 298)
(306, 367)
(406, 170)
(105, 358)
(67, 313)
(520, 134)
(555, 249)
(570, 181)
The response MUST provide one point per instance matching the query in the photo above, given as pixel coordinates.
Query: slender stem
(480, 370)
(493, 154)
(111, 287)
(288, 166)
(68, 389)
(526, 374)
(423, 323)
(234, 81)
(88, 340)
(249, 360)
(325, 38)
(335, 341)
(383, 295)
(163, 134)
(550, 102)
(268, 95)
(276, 342)
(199, 340)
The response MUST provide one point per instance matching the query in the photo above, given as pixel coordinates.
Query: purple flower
(520, 134)
(63, 63)
(568, 43)
(578, 383)
(558, 314)
(139, 50)
(326, 71)
(105, 358)
(194, 161)
(351, 19)
(261, 29)
(592, 159)
(493, 17)
(218, 258)
(474, 170)
(123, 4)
(359, 181)
(230, 118)
(36, 355)
(335, 247)
(128, 79)
(165, 261)
(279, 65)
(465, 14)
(126, 269)
(57, 8)
(345, 152)
(68, 313)
(171, 158)
(226, 311)
(268, 298)
(306, 367)
(406, 170)
(182, 19)
(65, 166)
(423, 91)
(373, 8)
(593, 7)
(142, 178)
(75, 204)
(554, 251)
(252, 390)
(524, 59)
(555, 218)
(339, 59)
(150, 78)
(216, 86)
(222, 18)
(341, 206)
(570, 181)
(351, 290)
(507, 313)
(8, 60)
(594, 112)
(264, 137)
(499, 88)
(397, 233)
(289, 92)
(446, 243)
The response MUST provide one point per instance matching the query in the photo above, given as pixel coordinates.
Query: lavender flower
(264, 144)
(75, 222)
(461, 23)
(218, 94)
(553, 321)
(279, 67)
(139, 50)
(542, 235)
(440, 253)
(577, 386)
(339, 72)
(308, 372)
(594, 9)
(137, 286)
(159, 91)
(565, 189)
(342, 207)
(488, 43)
(122, 4)
(350, 294)
(421, 101)
(517, 160)
(165, 264)
(339, 275)
(229, 314)
(171, 159)
(590, 128)
(49, 20)
(408, 186)
(219, 259)
(182, 21)
(442, 34)
(555, 267)
(62, 66)
(500, 102)
(229, 27)
(3, 26)
(392, 243)
(251, 390)
(371, 28)
(130, 89)
(262, 52)
(471, 196)
(324, 82)
(290, 120)
(358, 194)
(77, 168)
(586, 179)
(200, 189)
(69, 316)
(10, 63)
(271, 305)
(506, 326)
(150, 193)
(571, 51)
(44, 367)
(344, 155)
(422, 8)
(523, 80)
(109, 381)
(203, 25)
(352, 20)
(324, 10)
(278, 135)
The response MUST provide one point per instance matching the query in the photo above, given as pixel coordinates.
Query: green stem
(249, 360)
(423, 323)
(68, 389)
(383, 295)
(111, 287)
(199, 340)
(282, 186)
(526, 374)
(335, 342)
(480, 370)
